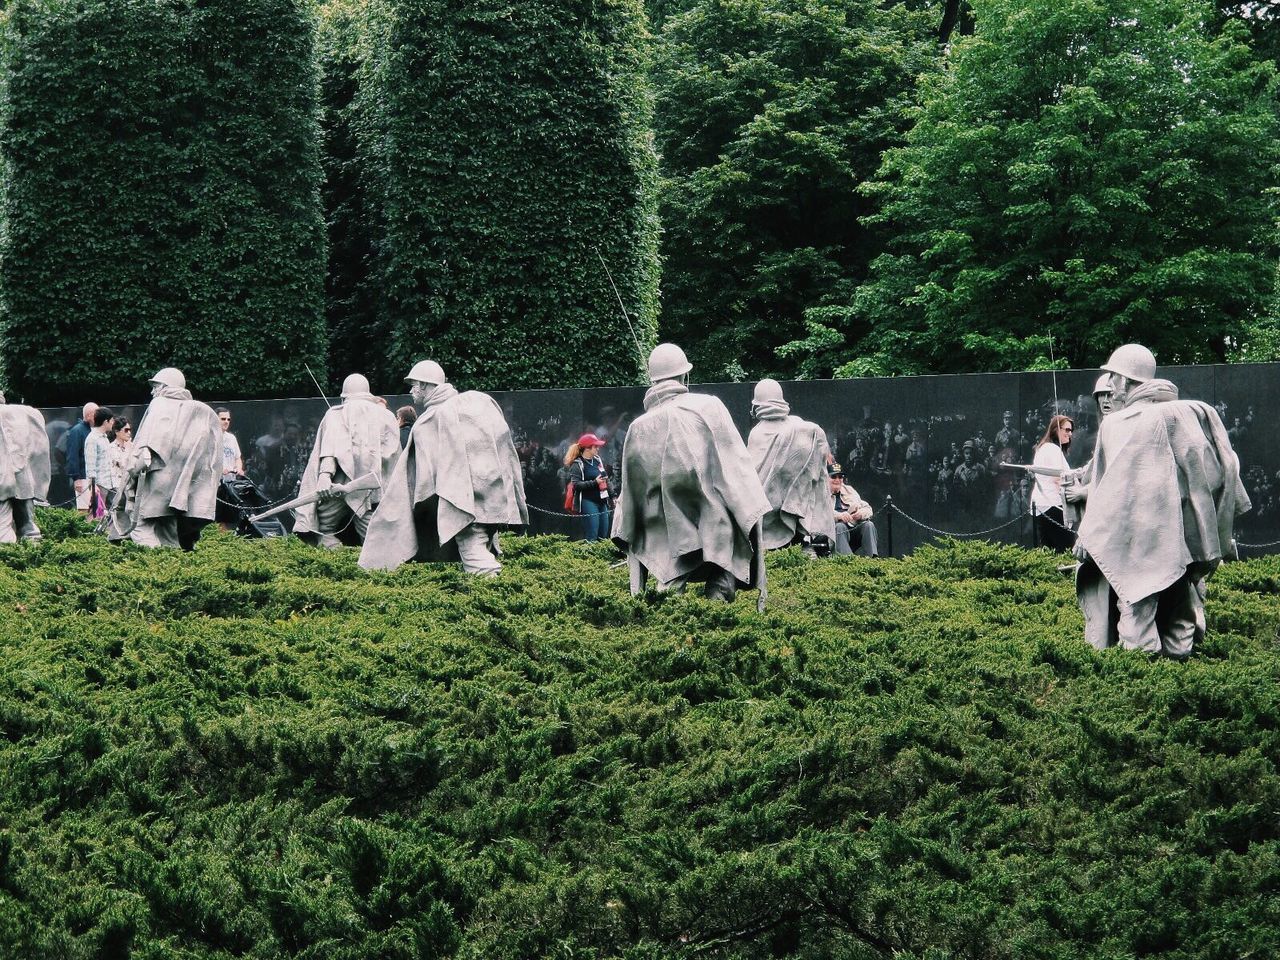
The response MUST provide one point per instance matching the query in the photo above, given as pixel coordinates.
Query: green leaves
(1103, 172)
(769, 116)
(162, 176)
(916, 756)
(504, 151)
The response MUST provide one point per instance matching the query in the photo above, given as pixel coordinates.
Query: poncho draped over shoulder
(459, 467)
(361, 436)
(24, 454)
(185, 440)
(689, 491)
(790, 457)
(1166, 491)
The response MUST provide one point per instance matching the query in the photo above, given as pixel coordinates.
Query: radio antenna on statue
(1053, 369)
(626, 316)
(318, 387)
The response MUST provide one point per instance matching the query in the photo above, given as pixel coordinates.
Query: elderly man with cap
(171, 486)
(1164, 497)
(358, 437)
(790, 457)
(24, 470)
(456, 484)
(691, 504)
(855, 533)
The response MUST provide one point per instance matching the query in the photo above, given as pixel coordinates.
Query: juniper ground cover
(258, 750)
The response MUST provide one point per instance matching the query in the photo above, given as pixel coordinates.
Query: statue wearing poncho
(1165, 494)
(691, 502)
(457, 482)
(358, 437)
(24, 470)
(790, 457)
(173, 469)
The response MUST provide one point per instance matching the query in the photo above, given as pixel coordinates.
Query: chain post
(888, 523)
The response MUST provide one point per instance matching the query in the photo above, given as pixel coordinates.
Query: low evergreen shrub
(259, 750)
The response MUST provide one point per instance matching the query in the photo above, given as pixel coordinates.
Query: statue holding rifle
(356, 438)
(1164, 495)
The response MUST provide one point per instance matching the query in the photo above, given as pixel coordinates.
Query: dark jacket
(76, 437)
(582, 485)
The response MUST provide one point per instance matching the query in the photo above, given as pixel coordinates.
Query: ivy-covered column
(514, 173)
(162, 197)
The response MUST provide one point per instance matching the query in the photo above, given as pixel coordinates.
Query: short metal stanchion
(888, 524)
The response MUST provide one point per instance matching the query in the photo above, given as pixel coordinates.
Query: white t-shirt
(1047, 492)
(230, 451)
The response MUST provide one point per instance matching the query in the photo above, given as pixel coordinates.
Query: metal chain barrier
(890, 505)
(1258, 546)
(561, 513)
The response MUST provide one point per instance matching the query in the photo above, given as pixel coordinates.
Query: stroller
(238, 500)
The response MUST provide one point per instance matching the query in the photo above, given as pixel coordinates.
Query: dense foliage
(161, 198)
(356, 325)
(258, 750)
(1100, 171)
(508, 152)
(770, 115)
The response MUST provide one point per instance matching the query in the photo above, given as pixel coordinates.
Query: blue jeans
(596, 515)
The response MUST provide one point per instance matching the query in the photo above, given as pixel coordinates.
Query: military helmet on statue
(667, 362)
(1103, 385)
(427, 371)
(170, 377)
(1133, 361)
(767, 390)
(356, 385)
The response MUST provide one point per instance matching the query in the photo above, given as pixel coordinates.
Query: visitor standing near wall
(97, 462)
(1047, 503)
(75, 438)
(406, 416)
(232, 460)
(121, 438)
(590, 479)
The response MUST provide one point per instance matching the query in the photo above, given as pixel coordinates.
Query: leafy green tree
(770, 114)
(1098, 171)
(510, 163)
(161, 197)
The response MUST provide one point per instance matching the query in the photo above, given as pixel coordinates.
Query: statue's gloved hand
(141, 462)
(324, 487)
(1080, 552)
(1076, 493)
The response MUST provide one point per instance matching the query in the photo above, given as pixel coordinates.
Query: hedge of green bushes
(507, 151)
(163, 171)
(258, 750)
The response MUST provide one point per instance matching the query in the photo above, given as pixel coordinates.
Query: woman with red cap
(590, 479)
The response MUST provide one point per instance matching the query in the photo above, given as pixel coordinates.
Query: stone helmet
(170, 377)
(427, 371)
(1103, 385)
(1132, 361)
(356, 385)
(767, 390)
(667, 362)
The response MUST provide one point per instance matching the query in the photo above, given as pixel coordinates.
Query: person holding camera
(590, 479)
